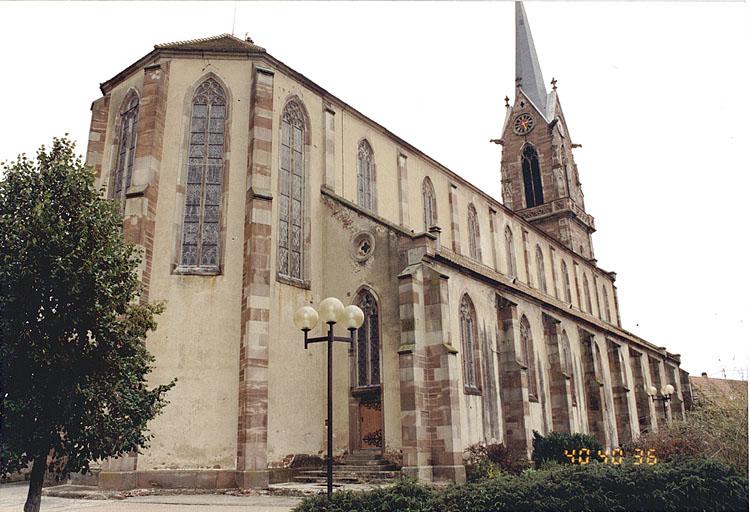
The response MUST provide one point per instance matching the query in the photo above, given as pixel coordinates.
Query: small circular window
(363, 246)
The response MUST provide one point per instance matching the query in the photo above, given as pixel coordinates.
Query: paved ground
(13, 496)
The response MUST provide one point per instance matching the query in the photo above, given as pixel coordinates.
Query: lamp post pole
(305, 319)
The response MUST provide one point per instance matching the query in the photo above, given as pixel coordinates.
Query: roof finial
(507, 102)
(528, 72)
(554, 84)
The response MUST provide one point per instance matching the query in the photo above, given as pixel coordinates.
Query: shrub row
(679, 485)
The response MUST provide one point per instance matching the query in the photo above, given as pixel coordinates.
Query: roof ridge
(244, 43)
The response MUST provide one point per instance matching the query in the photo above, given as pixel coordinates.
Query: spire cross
(507, 102)
(554, 84)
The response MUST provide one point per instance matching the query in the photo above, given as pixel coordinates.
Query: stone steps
(361, 466)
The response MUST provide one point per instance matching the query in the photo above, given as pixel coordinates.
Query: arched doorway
(366, 391)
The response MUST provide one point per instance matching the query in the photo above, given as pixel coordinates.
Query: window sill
(291, 281)
(196, 271)
(472, 390)
(365, 390)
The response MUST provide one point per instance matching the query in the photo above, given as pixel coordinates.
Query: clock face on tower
(523, 124)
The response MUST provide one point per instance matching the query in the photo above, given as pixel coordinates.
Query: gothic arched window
(566, 281)
(587, 293)
(605, 298)
(529, 360)
(469, 343)
(475, 250)
(291, 239)
(566, 359)
(510, 252)
(368, 342)
(429, 204)
(205, 169)
(365, 176)
(532, 176)
(540, 276)
(127, 131)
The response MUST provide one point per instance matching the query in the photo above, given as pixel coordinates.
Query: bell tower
(538, 172)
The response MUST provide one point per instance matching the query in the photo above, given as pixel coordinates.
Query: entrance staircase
(359, 467)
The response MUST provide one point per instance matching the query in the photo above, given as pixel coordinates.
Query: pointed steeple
(528, 72)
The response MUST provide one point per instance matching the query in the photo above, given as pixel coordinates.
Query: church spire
(528, 73)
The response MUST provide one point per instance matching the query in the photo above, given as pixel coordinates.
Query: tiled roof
(727, 387)
(220, 43)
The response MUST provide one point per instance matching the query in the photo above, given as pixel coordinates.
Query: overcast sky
(655, 92)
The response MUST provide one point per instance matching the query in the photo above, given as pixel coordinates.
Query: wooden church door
(368, 389)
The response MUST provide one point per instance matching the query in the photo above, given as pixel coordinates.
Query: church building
(253, 191)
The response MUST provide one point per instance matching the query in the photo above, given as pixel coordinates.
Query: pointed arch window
(529, 360)
(566, 360)
(368, 342)
(365, 176)
(510, 252)
(540, 275)
(205, 169)
(475, 249)
(127, 133)
(605, 298)
(291, 238)
(532, 176)
(468, 319)
(587, 293)
(429, 204)
(566, 281)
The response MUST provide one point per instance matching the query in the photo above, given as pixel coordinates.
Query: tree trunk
(34, 498)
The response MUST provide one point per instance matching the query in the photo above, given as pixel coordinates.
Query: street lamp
(666, 396)
(332, 311)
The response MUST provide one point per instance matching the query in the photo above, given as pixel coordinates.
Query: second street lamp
(666, 396)
(332, 311)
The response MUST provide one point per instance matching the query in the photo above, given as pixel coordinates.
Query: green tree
(74, 363)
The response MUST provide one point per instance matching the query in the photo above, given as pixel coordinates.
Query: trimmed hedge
(553, 446)
(680, 485)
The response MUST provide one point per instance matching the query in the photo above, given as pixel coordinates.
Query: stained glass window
(510, 253)
(540, 275)
(475, 250)
(468, 342)
(291, 192)
(429, 204)
(205, 167)
(368, 342)
(127, 131)
(527, 351)
(532, 176)
(365, 176)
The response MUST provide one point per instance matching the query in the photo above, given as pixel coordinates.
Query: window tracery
(510, 253)
(365, 176)
(529, 360)
(429, 204)
(475, 249)
(205, 168)
(368, 342)
(291, 238)
(566, 281)
(468, 343)
(540, 275)
(127, 131)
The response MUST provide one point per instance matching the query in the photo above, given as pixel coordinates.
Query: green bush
(680, 485)
(553, 446)
(489, 460)
(405, 496)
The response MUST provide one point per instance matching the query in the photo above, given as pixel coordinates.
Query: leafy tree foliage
(74, 362)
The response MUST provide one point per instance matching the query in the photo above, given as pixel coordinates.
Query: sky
(653, 91)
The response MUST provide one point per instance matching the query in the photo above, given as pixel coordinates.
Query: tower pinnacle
(528, 73)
